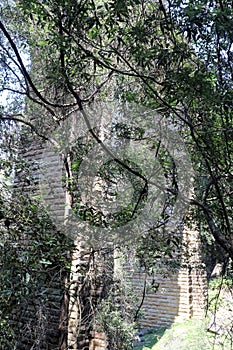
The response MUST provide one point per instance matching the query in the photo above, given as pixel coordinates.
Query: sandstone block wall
(176, 294)
(181, 294)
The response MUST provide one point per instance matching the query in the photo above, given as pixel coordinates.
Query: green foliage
(120, 332)
(8, 337)
(155, 251)
(32, 254)
(115, 317)
(221, 283)
(175, 57)
(109, 174)
(218, 287)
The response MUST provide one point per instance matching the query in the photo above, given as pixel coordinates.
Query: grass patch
(150, 339)
(189, 335)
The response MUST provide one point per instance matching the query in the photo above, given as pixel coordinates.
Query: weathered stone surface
(181, 295)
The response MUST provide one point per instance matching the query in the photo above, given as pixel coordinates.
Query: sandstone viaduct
(181, 295)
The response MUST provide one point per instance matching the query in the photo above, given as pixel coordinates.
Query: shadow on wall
(173, 295)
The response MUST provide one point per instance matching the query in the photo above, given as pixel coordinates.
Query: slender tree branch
(216, 232)
(142, 299)
(212, 175)
(25, 73)
(18, 118)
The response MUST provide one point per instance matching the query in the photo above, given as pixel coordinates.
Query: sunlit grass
(189, 335)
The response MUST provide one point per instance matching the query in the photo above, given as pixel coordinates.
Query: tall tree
(172, 56)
